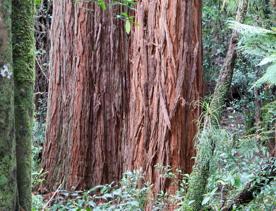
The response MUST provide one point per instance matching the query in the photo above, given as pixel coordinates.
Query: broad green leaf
(268, 60)
(102, 4)
(206, 200)
(269, 77)
(37, 2)
(127, 26)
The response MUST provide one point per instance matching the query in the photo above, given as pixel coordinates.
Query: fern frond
(255, 40)
(260, 42)
(269, 76)
(248, 30)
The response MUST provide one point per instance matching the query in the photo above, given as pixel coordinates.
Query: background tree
(7, 137)
(42, 35)
(226, 73)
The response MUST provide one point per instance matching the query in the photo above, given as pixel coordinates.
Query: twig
(52, 197)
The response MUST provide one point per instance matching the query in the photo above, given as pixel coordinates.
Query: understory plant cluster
(240, 159)
(243, 157)
(237, 161)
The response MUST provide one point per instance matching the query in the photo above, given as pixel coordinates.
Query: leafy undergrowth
(238, 159)
(132, 193)
(127, 195)
(236, 162)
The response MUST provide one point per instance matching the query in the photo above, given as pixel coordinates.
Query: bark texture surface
(166, 80)
(104, 116)
(87, 96)
(7, 136)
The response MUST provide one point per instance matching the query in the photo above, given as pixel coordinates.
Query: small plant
(128, 5)
(38, 139)
(260, 42)
(37, 202)
(235, 163)
(38, 178)
(130, 194)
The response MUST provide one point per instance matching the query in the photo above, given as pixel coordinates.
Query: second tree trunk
(166, 82)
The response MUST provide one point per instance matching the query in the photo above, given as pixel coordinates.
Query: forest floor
(233, 121)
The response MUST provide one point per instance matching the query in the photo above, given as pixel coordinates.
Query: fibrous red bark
(166, 81)
(87, 96)
(104, 116)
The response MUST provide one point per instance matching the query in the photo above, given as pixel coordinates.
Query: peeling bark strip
(166, 79)
(87, 96)
(7, 136)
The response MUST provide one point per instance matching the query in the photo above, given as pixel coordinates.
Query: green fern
(259, 42)
(269, 76)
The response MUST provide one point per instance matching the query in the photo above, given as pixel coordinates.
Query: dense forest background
(138, 105)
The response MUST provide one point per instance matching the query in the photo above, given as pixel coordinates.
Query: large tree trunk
(7, 136)
(166, 80)
(23, 54)
(87, 96)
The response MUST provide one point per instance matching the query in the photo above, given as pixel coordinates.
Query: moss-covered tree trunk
(206, 142)
(23, 54)
(226, 73)
(7, 139)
